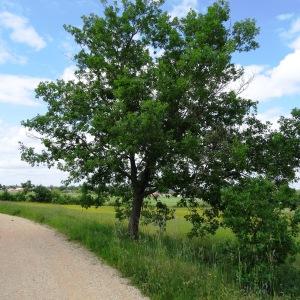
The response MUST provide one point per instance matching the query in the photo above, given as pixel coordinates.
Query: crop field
(163, 266)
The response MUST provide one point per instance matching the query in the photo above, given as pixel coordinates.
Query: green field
(163, 266)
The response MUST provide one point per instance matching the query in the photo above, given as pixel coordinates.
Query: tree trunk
(133, 226)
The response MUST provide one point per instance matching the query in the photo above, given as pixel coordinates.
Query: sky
(34, 47)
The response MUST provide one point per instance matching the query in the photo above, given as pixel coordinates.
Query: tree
(27, 186)
(264, 218)
(41, 194)
(151, 108)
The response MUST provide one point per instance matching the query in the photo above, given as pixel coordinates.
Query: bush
(265, 222)
(59, 197)
(19, 196)
(41, 194)
(6, 196)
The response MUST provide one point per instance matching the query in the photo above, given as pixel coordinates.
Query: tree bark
(134, 220)
(139, 184)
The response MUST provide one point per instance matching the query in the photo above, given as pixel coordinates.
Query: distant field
(168, 266)
(106, 215)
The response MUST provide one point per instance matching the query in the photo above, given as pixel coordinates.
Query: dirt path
(38, 263)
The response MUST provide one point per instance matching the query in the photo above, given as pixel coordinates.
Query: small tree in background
(27, 186)
(41, 194)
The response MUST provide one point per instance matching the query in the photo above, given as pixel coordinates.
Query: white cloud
(295, 44)
(4, 54)
(68, 49)
(183, 7)
(17, 89)
(15, 171)
(69, 73)
(292, 31)
(7, 56)
(281, 80)
(295, 27)
(272, 115)
(21, 30)
(285, 17)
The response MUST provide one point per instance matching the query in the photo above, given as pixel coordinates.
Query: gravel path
(38, 263)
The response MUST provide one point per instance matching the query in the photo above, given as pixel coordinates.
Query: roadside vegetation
(168, 264)
(39, 193)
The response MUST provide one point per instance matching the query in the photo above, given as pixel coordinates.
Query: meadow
(162, 265)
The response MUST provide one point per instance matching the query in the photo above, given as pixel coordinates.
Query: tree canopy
(151, 108)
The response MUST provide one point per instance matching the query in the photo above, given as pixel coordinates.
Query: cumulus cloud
(183, 7)
(292, 31)
(272, 115)
(15, 89)
(275, 82)
(15, 171)
(21, 30)
(4, 54)
(295, 27)
(19, 89)
(69, 73)
(282, 79)
(7, 56)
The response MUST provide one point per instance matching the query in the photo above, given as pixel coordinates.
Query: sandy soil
(38, 263)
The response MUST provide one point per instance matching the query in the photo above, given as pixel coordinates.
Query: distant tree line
(39, 193)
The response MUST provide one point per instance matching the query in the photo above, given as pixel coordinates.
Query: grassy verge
(166, 266)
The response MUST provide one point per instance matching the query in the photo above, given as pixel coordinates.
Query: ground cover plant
(165, 266)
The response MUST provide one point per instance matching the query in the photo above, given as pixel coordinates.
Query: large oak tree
(151, 107)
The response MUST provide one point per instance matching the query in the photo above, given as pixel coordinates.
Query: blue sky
(35, 47)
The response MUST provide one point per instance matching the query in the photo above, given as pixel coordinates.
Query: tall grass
(167, 266)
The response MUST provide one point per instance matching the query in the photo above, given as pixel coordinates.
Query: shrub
(41, 194)
(19, 196)
(265, 222)
(56, 196)
(59, 197)
(6, 196)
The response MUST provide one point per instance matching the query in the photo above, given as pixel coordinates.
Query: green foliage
(86, 199)
(157, 214)
(122, 208)
(205, 220)
(263, 218)
(134, 122)
(31, 193)
(5, 195)
(89, 197)
(27, 186)
(60, 197)
(41, 194)
(19, 196)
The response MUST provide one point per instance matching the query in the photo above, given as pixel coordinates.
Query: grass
(168, 266)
